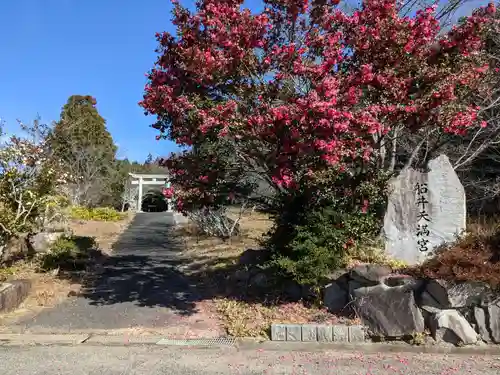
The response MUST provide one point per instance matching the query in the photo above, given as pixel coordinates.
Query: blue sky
(52, 49)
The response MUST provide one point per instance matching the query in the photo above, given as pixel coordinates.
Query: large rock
(441, 294)
(41, 242)
(251, 257)
(60, 225)
(370, 274)
(388, 311)
(259, 280)
(292, 290)
(424, 211)
(480, 317)
(403, 280)
(379, 275)
(494, 322)
(487, 318)
(451, 326)
(335, 298)
(241, 275)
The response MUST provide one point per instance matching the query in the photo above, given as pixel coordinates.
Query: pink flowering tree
(303, 87)
(304, 98)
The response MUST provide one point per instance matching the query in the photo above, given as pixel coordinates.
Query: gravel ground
(152, 360)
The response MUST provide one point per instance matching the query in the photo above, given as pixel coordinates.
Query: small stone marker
(309, 332)
(356, 334)
(278, 332)
(318, 333)
(293, 332)
(325, 333)
(424, 211)
(340, 333)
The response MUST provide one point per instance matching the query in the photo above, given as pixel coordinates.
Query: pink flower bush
(303, 87)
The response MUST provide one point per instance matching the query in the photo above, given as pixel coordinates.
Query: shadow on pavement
(145, 268)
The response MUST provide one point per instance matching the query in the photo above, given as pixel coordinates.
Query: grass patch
(50, 288)
(97, 214)
(209, 252)
(241, 319)
(105, 232)
(46, 290)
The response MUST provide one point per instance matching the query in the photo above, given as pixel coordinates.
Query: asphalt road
(154, 360)
(141, 285)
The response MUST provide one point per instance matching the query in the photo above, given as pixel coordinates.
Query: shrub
(268, 110)
(6, 272)
(286, 110)
(320, 243)
(315, 230)
(68, 252)
(474, 257)
(245, 320)
(29, 181)
(62, 251)
(99, 214)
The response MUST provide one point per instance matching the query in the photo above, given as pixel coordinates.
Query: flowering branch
(29, 176)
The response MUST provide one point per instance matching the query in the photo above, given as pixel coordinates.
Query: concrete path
(140, 286)
(150, 360)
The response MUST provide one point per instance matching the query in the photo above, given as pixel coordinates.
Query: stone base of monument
(394, 306)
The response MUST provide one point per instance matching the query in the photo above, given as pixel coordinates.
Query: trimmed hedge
(99, 214)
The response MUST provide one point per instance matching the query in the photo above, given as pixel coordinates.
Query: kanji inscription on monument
(423, 218)
(425, 209)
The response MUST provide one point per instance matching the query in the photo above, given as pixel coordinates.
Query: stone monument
(425, 210)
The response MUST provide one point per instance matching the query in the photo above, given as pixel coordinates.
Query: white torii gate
(142, 179)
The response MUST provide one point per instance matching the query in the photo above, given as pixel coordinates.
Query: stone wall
(395, 305)
(12, 294)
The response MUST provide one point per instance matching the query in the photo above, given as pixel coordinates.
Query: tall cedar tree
(81, 141)
(81, 126)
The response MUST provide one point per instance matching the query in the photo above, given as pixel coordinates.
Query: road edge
(27, 339)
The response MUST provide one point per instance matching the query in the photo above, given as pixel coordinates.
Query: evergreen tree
(82, 126)
(82, 142)
(149, 159)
